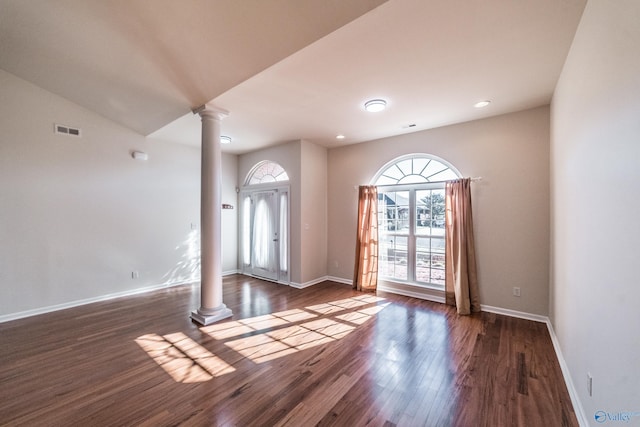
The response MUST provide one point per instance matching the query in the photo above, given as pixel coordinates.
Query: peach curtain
(461, 279)
(366, 267)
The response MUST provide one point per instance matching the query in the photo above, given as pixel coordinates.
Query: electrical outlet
(589, 384)
(516, 291)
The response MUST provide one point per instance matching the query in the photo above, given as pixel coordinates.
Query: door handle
(275, 240)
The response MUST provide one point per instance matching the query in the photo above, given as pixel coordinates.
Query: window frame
(279, 179)
(411, 234)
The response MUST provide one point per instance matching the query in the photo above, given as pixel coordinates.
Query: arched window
(266, 171)
(411, 214)
(415, 169)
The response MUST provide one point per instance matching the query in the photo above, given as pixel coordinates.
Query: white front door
(265, 233)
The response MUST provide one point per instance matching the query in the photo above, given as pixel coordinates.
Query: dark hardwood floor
(324, 355)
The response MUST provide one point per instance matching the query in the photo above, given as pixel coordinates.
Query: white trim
(406, 293)
(279, 282)
(51, 308)
(340, 280)
(573, 394)
(514, 313)
(309, 283)
(255, 167)
(227, 273)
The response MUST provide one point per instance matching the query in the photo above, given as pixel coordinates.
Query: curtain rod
(473, 179)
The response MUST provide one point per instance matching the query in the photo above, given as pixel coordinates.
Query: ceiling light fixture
(340, 136)
(225, 139)
(375, 105)
(481, 104)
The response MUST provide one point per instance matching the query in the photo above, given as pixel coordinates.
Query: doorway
(265, 233)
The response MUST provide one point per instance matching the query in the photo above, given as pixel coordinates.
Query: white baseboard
(408, 293)
(307, 284)
(514, 313)
(340, 280)
(51, 308)
(566, 374)
(48, 309)
(573, 394)
(227, 273)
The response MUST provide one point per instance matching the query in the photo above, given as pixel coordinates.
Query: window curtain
(366, 267)
(461, 279)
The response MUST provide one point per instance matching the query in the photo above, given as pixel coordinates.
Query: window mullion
(411, 239)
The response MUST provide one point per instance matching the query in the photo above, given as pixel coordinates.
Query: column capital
(208, 110)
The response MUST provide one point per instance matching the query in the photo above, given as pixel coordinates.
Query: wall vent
(67, 130)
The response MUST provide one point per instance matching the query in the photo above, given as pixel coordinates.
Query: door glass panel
(246, 231)
(263, 231)
(284, 234)
(264, 235)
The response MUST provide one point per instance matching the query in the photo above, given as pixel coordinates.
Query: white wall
(595, 148)
(313, 212)
(79, 215)
(510, 204)
(229, 216)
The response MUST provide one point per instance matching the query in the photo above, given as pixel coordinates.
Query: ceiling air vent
(67, 130)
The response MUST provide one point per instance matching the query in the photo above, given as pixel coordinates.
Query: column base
(207, 317)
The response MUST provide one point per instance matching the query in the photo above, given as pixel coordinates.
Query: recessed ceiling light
(481, 104)
(225, 139)
(340, 136)
(375, 105)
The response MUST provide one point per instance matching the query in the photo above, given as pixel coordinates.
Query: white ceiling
(290, 69)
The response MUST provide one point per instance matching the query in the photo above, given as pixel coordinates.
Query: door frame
(248, 191)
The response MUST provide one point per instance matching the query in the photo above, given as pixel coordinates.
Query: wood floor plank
(324, 355)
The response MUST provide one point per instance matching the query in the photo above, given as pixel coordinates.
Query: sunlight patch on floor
(240, 327)
(270, 345)
(182, 358)
(361, 316)
(259, 338)
(344, 304)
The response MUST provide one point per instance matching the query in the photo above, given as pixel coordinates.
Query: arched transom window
(416, 169)
(411, 214)
(266, 172)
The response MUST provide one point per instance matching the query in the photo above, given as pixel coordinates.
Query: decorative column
(211, 308)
